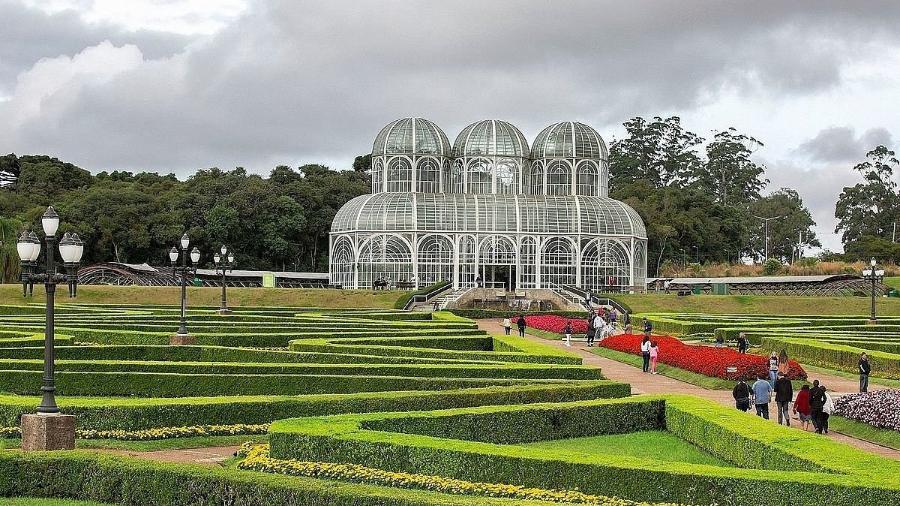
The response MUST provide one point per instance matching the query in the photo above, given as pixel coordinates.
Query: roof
(411, 136)
(569, 139)
(239, 273)
(489, 213)
(490, 137)
(756, 280)
(136, 267)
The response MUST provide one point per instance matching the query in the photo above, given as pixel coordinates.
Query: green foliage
(405, 298)
(784, 232)
(772, 267)
(870, 208)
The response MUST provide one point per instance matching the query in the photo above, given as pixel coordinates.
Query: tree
(362, 163)
(658, 151)
(9, 256)
(43, 179)
(869, 246)
(793, 230)
(870, 208)
(729, 173)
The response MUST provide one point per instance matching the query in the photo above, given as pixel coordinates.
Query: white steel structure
(489, 210)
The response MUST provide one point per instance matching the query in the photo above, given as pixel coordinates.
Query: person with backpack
(568, 333)
(816, 402)
(741, 394)
(742, 342)
(864, 370)
(521, 324)
(784, 392)
(648, 327)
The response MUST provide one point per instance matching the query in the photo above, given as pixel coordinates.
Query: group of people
(520, 324)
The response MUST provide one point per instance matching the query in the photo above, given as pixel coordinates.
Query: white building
(489, 209)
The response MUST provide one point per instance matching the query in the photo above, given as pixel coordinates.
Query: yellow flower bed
(158, 433)
(256, 458)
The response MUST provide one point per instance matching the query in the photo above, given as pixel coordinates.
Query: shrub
(704, 360)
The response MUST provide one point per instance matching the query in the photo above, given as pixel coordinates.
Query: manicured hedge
(120, 480)
(137, 414)
(481, 314)
(836, 356)
(804, 469)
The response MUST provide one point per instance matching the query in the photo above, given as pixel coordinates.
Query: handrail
(601, 301)
(424, 297)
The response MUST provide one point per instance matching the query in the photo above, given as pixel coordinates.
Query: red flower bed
(553, 323)
(705, 360)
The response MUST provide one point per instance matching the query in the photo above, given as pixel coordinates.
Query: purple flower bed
(880, 408)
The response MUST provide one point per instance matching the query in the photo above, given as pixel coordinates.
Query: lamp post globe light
(224, 262)
(875, 275)
(48, 429)
(182, 336)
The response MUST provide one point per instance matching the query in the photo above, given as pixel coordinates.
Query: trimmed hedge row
(836, 356)
(120, 480)
(138, 414)
(143, 384)
(481, 314)
(823, 472)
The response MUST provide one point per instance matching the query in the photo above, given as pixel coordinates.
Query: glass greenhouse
(490, 211)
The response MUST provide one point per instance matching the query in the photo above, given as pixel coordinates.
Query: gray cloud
(840, 144)
(29, 35)
(299, 81)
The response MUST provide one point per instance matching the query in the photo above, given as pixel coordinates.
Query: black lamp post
(184, 270)
(29, 250)
(224, 262)
(874, 275)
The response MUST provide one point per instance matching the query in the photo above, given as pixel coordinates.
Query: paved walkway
(214, 455)
(657, 384)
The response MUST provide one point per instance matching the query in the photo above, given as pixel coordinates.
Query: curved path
(657, 384)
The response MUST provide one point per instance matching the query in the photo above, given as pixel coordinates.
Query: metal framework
(487, 216)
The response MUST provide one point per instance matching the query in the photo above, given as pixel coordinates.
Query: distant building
(489, 210)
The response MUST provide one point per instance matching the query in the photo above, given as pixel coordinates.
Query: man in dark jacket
(865, 368)
(741, 394)
(816, 402)
(784, 392)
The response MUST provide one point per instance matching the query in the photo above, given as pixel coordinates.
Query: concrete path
(214, 455)
(657, 384)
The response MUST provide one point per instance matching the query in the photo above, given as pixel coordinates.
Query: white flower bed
(880, 408)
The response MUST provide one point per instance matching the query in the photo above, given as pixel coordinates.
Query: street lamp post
(874, 275)
(224, 263)
(48, 429)
(182, 336)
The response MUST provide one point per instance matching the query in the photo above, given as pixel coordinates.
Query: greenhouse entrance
(499, 276)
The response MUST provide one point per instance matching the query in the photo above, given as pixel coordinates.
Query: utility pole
(766, 221)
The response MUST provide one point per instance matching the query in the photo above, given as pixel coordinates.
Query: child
(568, 332)
(654, 354)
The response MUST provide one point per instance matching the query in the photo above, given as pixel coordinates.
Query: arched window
(466, 261)
(427, 175)
(377, 176)
(497, 250)
(435, 260)
(384, 258)
(399, 175)
(479, 172)
(457, 178)
(640, 264)
(557, 262)
(445, 176)
(528, 263)
(559, 181)
(605, 267)
(588, 182)
(536, 179)
(342, 263)
(507, 177)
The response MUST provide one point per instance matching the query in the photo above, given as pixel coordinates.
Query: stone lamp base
(48, 432)
(182, 339)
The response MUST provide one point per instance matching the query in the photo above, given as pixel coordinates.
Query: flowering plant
(554, 323)
(157, 433)
(714, 362)
(878, 408)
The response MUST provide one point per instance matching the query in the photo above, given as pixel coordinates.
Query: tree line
(700, 199)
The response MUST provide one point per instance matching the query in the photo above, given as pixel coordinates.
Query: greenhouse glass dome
(489, 210)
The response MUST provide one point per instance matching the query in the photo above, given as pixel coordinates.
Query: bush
(878, 408)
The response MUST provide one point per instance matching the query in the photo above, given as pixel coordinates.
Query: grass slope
(658, 445)
(210, 296)
(756, 304)
(864, 431)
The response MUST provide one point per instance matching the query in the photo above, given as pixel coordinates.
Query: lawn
(211, 296)
(756, 304)
(659, 445)
(864, 431)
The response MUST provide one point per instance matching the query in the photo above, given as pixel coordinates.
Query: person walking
(645, 352)
(762, 393)
(801, 407)
(591, 332)
(784, 392)
(827, 409)
(648, 327)
(741, 394)
(816, 402)
(864, 370)
(521, 324)
(784, 366)
(773, 369)
(654, 356)
(507, 325)
(742, 342)
(568, 332)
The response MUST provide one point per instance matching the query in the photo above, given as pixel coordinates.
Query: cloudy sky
(174, 85)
